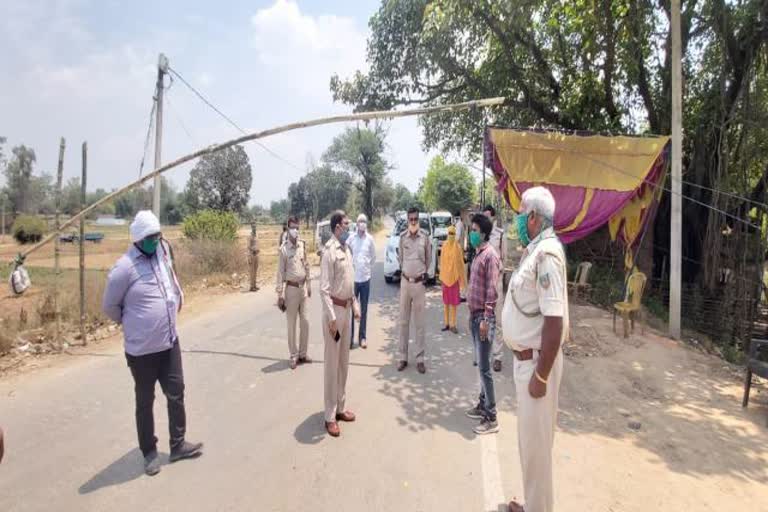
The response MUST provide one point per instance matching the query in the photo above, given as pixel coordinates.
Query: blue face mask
(522, 229)
(343, 237)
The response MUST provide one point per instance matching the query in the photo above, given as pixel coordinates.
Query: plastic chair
(580, 279)
(632, 304)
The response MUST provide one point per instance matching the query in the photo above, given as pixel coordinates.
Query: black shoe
(186, 450)
(475, 413)
(151, 464)
(446, 328)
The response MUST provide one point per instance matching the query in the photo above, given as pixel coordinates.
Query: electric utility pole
(162, 69)
(675, 266)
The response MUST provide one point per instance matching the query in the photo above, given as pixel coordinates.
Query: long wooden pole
(363, 116)
(57, 250)
(82, 243)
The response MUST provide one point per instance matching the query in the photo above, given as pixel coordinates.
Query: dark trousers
(362, 292)
(164, 367)
(487, 399)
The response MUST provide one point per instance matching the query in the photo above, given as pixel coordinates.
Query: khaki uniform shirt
(337, 275)
(415, 253)
(254, 245)
(292, 265)
(538, 288)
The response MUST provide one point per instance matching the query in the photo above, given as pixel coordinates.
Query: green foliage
(278, 210)
(211, 225)
(220, 181)
(403, 198)
(447, 186)
(360, 153)
(28, 229)
(18, 175)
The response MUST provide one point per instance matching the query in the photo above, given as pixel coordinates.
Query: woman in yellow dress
(453, 278)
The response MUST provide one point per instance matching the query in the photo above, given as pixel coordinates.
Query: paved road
(71, 439)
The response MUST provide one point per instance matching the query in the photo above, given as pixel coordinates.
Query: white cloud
(304, 51)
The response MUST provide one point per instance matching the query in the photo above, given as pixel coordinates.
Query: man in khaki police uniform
(253, 257)
(293, 289)
(535, 323)
(414, 255)
(337, 291)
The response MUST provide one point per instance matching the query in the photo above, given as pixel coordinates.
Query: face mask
(149, 245)
(475, 239)
(344, 236)
(451, 238)
(522, 229)
(362, 226)
(293, 233)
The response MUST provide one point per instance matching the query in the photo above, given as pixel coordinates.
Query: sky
(85, 70)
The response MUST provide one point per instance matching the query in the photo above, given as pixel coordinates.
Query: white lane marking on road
(493, 490)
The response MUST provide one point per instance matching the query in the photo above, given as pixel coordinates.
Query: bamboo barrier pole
(362, 116)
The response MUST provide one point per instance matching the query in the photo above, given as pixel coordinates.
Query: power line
(231, 122)
(177, 116)
(149, 133)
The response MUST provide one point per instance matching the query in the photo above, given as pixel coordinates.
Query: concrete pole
(675, 265)
(162, 69)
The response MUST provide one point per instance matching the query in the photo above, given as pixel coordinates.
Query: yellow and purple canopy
(595, 179)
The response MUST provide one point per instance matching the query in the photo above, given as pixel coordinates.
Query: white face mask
(362, 226)
(293, 233)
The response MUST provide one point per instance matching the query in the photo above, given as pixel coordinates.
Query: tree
(328, 189)
(447, 186)
(18, 173)
(600, 66)
(360, 152)
(220, 181)
(278, 210)
(403, 198)
(300, 199)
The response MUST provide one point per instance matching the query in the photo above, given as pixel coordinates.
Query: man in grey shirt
(144, 295)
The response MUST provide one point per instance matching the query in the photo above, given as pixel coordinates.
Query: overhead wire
(149, 132)
(181, 123)
(230, 121)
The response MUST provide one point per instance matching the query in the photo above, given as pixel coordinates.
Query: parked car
(440, 223)
(391, 262)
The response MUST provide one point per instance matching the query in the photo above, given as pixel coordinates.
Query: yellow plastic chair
(632, 304)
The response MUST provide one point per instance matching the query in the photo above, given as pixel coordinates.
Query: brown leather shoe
(305, 360)
(401, 365)
(497, 365)
(421, 367)
(332, 428)
(515, 507)
(345, 416)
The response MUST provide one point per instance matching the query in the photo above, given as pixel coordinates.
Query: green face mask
(149, 245)
(522, 229)
(475, 239)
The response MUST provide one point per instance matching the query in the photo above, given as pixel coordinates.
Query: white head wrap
(144, 224)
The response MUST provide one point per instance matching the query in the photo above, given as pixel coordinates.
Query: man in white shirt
(535, 324)
(499, 242)
(363, 257)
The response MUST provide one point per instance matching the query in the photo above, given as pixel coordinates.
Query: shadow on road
(311, 430)
(126, 468)
(276, 366)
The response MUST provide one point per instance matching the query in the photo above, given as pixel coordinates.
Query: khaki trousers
(498, 342)
(295, 305)
(336, 363)
(536, 421)
(412, 300)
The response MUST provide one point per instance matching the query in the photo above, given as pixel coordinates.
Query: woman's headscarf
(452, 261)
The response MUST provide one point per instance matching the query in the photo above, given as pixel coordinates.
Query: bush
(211, 225)
(28, 229)
(209, 259)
